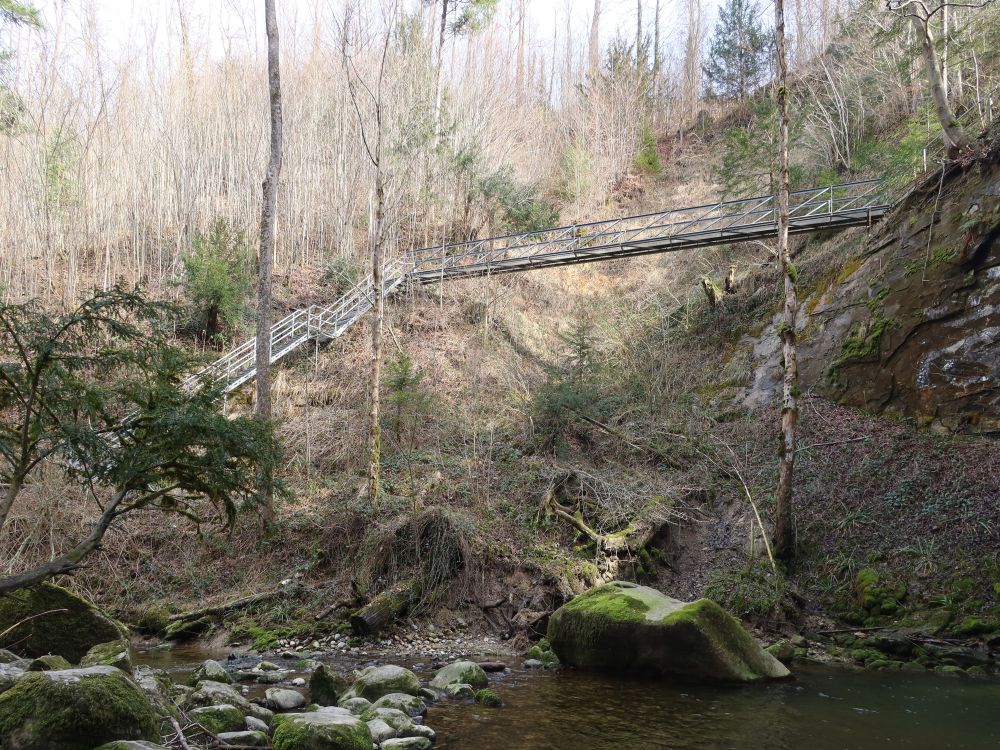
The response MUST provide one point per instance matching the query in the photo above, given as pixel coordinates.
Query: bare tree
(920, 14)
(267, 222)
(374, 148)
(784, 527)
(594, 48)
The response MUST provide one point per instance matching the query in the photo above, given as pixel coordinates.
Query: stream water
(822, 709)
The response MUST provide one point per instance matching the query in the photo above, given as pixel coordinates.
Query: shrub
(216, 282)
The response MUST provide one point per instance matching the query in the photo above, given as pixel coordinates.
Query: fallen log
(385, 608)
(221, 609)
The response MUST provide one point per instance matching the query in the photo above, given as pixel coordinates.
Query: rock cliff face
(910, 324)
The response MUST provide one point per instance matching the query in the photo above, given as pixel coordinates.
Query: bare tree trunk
(594, 51)
(520, 48)
(784, 527)
(638, 36)
(439, 82)
(955, 139)
(267, 222)
(374, 428)
(656, 51)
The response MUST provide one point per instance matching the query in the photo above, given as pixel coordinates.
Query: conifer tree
(738, 56)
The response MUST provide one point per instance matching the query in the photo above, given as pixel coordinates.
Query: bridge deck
(832, 207)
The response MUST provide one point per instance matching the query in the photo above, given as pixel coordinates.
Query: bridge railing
(708, 218)
(323, 321)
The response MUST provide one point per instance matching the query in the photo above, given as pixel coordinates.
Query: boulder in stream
(460, 673)
(63, 624)
(326, 686)
(325, 729)
(216, 719)
(283, 699)
(210, 669)
(410, 705)
(75, 709)
(374, 682)
(623, 627)
(113, 654)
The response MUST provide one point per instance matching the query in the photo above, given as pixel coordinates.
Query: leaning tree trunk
(955, 139)
(784, 530)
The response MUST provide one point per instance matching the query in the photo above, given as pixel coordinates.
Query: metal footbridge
(836, 206)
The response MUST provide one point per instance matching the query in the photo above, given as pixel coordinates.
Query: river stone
(221, 718)
(113, 653)
(623, 627)
(49, 662)
(257, 725)
(210, 669)
(355, 705)
(9, 674)
(374, 682)
(268, 666)
(70, 634)
(381, 731)
(410, 705)
(325, 729)
(282, 699)
(245, 738)
(8, 657)
(262, 714)
(212, 693)
(75, 709)
(422, 730)
(460, 691)
(157, 686)
(460, 672)
(396, 719)
(326, 686)
(271, 678)
(407, 743)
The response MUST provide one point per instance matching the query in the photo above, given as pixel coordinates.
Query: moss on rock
(75, 709)
(326, 729)
(374, 682)
(627, 628)
(221, 718)
(458, 673)
(326, 686)
(113, 653)
(488, 698)
(70, 629)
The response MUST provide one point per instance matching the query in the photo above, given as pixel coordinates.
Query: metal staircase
(850, 204)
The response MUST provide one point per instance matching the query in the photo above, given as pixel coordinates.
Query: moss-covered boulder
(326, 686)
(411, 705)
(113, 654)
(623, 627)
(212, 693)
(877, 597)
(374, 682)
(354, 704)
(216, 719)
(460, 691)
(210, 669)
(71, 627)
(157, 686)
(74, 709)
(49, 662)
(325, 729)
(488, 697)
(460, 673)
